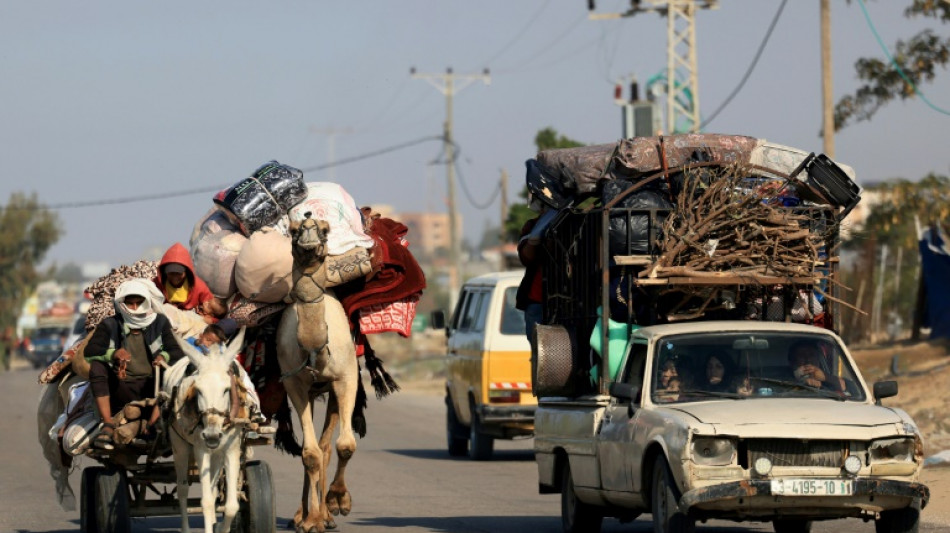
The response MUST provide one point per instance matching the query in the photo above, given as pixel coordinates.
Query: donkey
(205, 424)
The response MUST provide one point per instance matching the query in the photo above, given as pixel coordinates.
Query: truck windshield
(752, 365)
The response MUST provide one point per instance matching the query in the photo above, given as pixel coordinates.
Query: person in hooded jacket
(124, 348)
(179, 284)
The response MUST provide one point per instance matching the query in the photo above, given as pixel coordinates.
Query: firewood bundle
(722, 227)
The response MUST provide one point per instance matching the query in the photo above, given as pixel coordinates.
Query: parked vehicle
(488, 370)
(46, 344)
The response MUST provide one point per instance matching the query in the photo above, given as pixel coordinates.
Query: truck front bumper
(755, 498)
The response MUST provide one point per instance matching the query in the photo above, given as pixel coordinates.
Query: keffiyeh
(147, 311)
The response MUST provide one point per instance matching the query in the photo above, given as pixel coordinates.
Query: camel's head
(211, 390)
(310, 237)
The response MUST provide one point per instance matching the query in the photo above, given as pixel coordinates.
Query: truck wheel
(792, 525)
(112, 502)
(576, 516)
(456, 436)
(906, 520)
(261, 510)
(481, 445)
(667, 517)
(87, 499)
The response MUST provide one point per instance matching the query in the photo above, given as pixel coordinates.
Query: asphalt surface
(401, 478)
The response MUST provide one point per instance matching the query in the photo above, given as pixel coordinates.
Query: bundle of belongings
(682, 209)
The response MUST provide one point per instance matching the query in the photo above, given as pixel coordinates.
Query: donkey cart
(124, 486)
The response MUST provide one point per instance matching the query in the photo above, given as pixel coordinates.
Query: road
(401, 478)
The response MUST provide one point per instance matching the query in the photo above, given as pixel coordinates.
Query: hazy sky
(111, 100)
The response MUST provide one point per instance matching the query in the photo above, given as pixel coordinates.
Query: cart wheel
(260, 512)
(112, 502)
(87, 499)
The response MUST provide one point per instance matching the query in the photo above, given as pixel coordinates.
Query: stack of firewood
(721, 227)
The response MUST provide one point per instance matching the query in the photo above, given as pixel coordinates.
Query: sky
(104, 101)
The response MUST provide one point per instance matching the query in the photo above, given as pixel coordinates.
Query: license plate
(812, 487)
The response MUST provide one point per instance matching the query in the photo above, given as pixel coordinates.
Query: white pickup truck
(741, 420)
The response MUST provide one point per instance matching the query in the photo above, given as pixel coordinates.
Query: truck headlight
(899, 449)
(713, 451)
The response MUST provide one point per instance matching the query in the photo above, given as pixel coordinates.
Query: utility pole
(448, 84)
(827, 98)
(331, 134)
(504, 214)
(682, 80)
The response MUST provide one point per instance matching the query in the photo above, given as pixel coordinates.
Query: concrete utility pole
(504, 211)
(827, 98)
(682, 80)
(331, 134)
(448, 84)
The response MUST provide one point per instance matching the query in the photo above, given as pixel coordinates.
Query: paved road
(401, 478)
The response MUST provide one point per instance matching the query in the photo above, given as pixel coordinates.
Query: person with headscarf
(123, 349)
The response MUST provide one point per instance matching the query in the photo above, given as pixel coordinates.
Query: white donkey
(206, 425)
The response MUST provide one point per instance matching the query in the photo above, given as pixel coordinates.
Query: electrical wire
(890, 57)
(468, 193)
(748, 72)
(205, 190)
(519, 35)
(546, 47)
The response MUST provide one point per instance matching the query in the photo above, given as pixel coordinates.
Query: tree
(27, 231)
(519, 213)
(917, 58)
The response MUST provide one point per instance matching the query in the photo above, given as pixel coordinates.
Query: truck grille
(791, 452)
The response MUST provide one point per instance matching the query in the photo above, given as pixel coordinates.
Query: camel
(317, 356)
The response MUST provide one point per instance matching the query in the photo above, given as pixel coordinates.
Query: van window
(471, 312)
(461, 309)
(512, 319)
(482, 311)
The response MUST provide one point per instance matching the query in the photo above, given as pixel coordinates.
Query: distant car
(46, 344)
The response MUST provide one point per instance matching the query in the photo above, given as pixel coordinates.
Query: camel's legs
(311, 499)
(338, 497)
(329, 425)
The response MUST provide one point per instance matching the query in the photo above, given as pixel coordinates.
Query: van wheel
(576, 516)
(481, 445)
(455, 433)
(906, 520)
(667, 517)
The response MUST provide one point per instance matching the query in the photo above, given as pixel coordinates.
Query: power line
(206, 190)
(548, 46)
(894, 62)
(748, 71)
(518, 35)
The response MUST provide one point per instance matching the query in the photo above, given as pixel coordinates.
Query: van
(488, 367)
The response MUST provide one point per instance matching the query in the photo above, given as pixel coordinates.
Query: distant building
(428, 232)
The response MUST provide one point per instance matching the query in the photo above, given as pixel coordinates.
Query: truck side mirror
(437, 319)
(884, 389)
(623, 391)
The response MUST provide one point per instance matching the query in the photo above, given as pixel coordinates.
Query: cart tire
(87, 499)
(260, 514)
(112, 502)
(454, 430)
(481, 446)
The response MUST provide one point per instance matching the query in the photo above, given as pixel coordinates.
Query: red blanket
(399, 276)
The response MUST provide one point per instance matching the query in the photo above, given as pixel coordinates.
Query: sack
(261, 199)
(78, 436)
(264, 266)
(215, 245)
(642, 233)
(330, 202)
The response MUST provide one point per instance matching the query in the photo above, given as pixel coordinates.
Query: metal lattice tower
(682, 80)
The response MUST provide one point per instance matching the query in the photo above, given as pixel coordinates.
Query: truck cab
(488, 390)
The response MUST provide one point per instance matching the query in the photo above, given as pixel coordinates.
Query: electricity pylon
(682, 80)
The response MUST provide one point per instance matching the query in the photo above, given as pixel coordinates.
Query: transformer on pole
(682, 81)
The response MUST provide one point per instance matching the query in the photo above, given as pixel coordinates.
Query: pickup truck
(772, 447)
(687, 364)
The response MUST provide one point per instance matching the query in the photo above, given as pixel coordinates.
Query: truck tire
(665, 498)
(792, 525)
(456, 437)
(906, 520)
(87, 499)
(112, 502)
(576, 516)
(481, 445)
